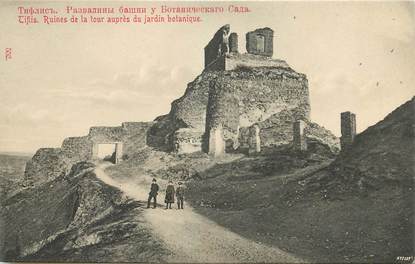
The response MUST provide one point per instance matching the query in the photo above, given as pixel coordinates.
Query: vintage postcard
(207, 131)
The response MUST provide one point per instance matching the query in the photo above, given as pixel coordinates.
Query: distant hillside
(11, 172)
(16, 153)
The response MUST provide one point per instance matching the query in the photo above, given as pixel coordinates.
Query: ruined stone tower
(348, 129)
(235, 92)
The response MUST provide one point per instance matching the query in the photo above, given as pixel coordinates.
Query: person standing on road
(153, 194)
(169, 199)
(180, 195)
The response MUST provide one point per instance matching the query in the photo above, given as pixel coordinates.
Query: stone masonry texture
(348, 129)
(254, 39)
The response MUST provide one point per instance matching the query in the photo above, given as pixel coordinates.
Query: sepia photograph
(207, 131)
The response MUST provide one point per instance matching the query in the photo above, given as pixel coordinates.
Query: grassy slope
(278, 211)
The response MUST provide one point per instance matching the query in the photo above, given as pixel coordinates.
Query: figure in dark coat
(180, 196)
(169, 199)
(153, 194)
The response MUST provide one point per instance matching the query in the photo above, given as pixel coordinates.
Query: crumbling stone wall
(219, 64)
(276, 130)
(264, 92)
(135, 136)
(188, 111)
(318, 136)
(77, 148)
(260, 42)
(187, 140)
(50, 163)
(160, 134)
(273, 98)
(218, 45)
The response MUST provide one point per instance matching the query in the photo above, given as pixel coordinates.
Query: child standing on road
(169, 199)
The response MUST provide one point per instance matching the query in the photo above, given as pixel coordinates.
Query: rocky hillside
(75, 217)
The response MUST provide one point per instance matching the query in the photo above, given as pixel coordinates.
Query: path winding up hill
(192, 237)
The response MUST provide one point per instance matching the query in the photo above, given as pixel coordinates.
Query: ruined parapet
(348, 129)
(216, 141)
(254, 140)
(299, 139)
(233, 42)
(218, 45)
(260, 42)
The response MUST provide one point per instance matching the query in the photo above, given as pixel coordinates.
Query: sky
(63, 79)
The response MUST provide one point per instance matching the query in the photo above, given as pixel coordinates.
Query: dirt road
(194, 238)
